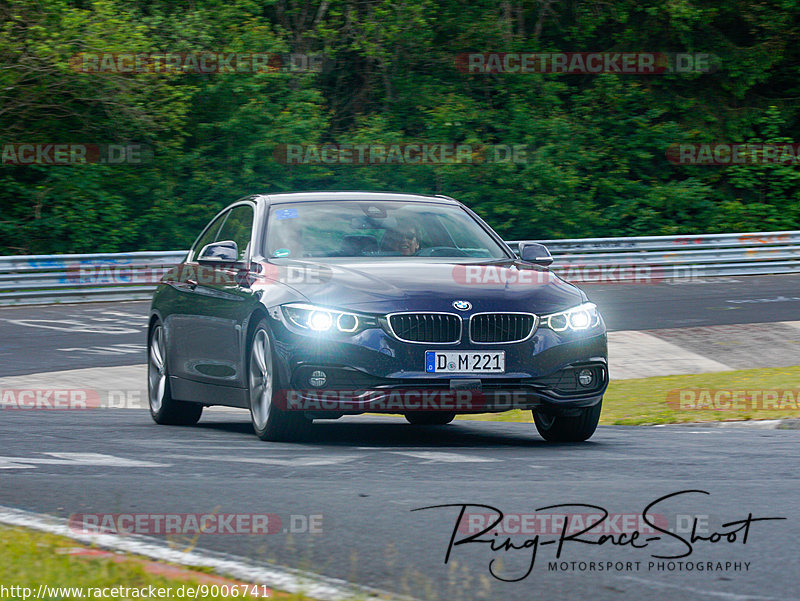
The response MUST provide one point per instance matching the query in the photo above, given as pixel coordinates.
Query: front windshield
(376, 229)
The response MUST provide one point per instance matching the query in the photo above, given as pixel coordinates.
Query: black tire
(430, 418)
(163, 408)
(263, 384)
(556, 428)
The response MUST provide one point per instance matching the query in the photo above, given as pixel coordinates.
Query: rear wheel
(269, 422)
(163, 408)
(559, 428)
(430, 418)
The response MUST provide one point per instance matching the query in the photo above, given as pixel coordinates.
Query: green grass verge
(644, 401)
(29, 558)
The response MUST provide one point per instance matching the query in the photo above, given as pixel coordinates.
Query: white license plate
(467, 362)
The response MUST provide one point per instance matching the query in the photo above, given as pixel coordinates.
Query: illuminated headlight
(321, 319)
(578, 318)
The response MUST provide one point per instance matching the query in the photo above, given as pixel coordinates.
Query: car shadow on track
(381, 432)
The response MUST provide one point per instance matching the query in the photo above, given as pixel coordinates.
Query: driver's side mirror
(224, 251)
(533, 252)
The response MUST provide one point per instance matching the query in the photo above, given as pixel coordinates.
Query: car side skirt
(208, 394)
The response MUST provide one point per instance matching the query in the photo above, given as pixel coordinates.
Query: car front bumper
(374, 372)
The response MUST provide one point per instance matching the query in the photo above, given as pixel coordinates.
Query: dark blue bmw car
(316, 305)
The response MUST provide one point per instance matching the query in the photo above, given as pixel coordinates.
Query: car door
(207, 335)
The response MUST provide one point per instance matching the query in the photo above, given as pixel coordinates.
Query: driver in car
(403, 240)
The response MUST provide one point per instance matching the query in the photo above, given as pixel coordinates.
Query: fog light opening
(318, 379)
(585, 377)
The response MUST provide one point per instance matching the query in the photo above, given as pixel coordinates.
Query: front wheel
(559, 428)
(163, 408)
(429, 418)
(269, 422)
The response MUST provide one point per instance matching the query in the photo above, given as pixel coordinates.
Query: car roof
(353, 195)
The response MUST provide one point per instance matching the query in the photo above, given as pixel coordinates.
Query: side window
(238, 227)
(209, 236)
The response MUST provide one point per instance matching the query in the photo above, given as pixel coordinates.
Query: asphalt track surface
(365, 476)
(51, 338)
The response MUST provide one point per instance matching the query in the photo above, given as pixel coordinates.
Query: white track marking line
(310, 461)
(440, 457)
(7, 463)
(761, 424)
(280, 578)
(114, 349)
(75, 460)
(106, 460)
(74, 326)
(137, 317)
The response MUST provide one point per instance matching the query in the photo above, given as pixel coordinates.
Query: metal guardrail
(667, 243)
(652, 269)
(650, 259)
(48, 279)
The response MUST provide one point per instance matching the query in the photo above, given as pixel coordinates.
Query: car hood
(417, 284)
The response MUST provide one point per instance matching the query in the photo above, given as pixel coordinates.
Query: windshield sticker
(286, 214)
(282, 252)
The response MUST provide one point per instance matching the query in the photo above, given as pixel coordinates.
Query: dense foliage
(597, 165)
